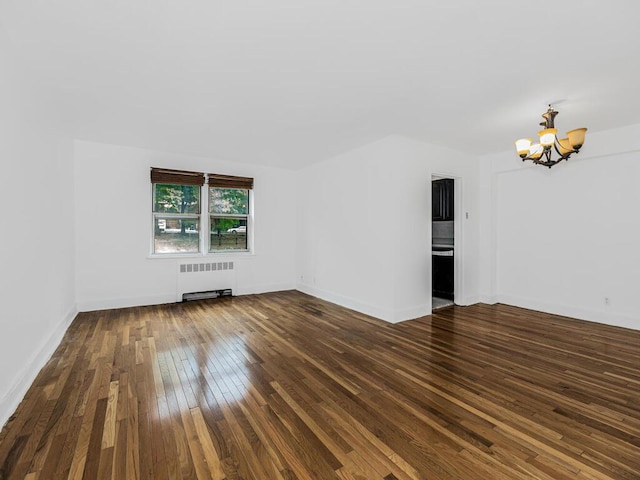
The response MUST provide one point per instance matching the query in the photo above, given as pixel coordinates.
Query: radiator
(199, 278)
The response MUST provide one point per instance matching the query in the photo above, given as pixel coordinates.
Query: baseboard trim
(615, 319)
(265, 288)
(385, 314)
(489, 299)
(347, 302)
(126, 302)
(412, 313)
(15, 394)
(466, 301)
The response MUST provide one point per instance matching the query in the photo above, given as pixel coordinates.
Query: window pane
(176, 198)
(176, 235)
(233, 201)
(228, 234)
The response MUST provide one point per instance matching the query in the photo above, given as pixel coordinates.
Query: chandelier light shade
(542, 153)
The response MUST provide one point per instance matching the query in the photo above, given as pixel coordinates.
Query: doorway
(442, 241)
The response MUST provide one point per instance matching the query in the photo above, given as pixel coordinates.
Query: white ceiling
(290, 82)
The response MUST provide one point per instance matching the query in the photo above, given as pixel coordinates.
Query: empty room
(349, 240)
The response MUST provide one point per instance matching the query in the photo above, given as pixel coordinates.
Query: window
(178, 214)
(229, 212)
(176, 211)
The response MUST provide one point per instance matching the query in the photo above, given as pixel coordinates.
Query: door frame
(458, 235)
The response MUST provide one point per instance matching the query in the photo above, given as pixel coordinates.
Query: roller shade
(230, 181)
(176, 177)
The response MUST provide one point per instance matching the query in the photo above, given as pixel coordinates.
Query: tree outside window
(178, 212)
(228, 218)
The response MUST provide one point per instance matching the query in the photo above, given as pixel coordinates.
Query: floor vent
(208, 294)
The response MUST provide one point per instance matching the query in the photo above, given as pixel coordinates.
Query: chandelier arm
(547, 154)
(549, 162)
(566, 155)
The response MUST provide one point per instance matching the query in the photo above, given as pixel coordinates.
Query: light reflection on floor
(220, 365)
(227, 363)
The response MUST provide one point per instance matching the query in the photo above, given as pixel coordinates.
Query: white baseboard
(466, 301)
(412, 313)
(381, 313)
(265, 288)
(125, 302)
(25, 378)
(490, 299)
(605, 317)
(386, 314)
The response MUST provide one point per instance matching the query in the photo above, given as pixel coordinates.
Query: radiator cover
(204, 279)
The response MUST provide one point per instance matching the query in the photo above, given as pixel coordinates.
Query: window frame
(248, 217)
(156, 216)
(204, 217)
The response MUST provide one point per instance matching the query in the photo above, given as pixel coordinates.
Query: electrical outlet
(607, 302)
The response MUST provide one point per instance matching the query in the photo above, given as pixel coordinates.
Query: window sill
(242, 253)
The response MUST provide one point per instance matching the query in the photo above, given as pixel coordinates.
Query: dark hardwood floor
(285, 386)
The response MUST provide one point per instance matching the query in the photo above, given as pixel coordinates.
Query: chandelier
(541, 153)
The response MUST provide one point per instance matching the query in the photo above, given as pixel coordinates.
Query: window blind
(177, 177)
(230, 181)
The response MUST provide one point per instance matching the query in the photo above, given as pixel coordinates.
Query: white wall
(365, 227)
(566, 238)
(345, 229)
(37, 275)
(113, 202)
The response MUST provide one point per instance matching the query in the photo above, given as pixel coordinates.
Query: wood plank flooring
(285, 386)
